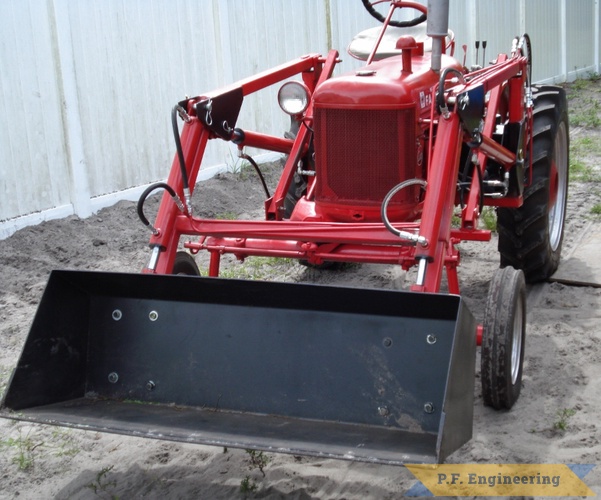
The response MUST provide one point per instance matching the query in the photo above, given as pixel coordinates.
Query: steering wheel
(369, 6)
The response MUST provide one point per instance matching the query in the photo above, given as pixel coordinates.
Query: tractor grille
(362, 154)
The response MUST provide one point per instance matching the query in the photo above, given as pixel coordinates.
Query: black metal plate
(397, 362)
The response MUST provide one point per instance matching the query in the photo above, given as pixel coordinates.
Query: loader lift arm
(196, 133)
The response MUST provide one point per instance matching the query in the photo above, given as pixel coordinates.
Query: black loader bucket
(370, 375)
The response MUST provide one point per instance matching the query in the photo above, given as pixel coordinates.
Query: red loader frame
(317, 242)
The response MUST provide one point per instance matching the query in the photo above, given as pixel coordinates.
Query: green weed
(254, 268)
(247, 485)
(587, 117)
(489, 218)
(580, 149)
(596, 209)
(25, 447)
(226, 216)
(584, 109)
(593, 76)
(581, 145)
(563, 416)
(456, 220)
(256, 460)
(101, 483)
(64, 444)
(579, 84)
(238, 166)
(580, 172)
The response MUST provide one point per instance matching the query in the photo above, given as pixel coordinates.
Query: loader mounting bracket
(220, 111)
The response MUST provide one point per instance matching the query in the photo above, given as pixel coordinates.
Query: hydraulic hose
(259, 173)
(178, 146)
(146, 193)
(440, 102)
(180, 155)
(405, 235)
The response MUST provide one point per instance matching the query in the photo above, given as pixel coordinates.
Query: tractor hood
(382, 84)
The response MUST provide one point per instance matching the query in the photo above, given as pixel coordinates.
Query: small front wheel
(503, 339)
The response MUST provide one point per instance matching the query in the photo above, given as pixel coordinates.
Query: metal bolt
(117, 314)
(429, 408)
(383, 411)
(387, 342)
(113, 377)
(153, 315)
(150, 385)
(431, 339)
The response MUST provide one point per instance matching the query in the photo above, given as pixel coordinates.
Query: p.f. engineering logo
(500, 480)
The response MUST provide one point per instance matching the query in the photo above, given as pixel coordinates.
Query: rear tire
(503, 338)
(530, 237)
(185, 264)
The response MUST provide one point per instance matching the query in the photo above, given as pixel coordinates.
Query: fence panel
(87, 86)
(34, 171)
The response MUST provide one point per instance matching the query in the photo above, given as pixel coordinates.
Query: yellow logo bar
(550, 480)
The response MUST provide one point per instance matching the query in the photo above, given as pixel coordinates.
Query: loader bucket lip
(269, 433)
(370, 375)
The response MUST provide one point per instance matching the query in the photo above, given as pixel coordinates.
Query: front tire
(531, 236)
(503, 339)
(185, 264)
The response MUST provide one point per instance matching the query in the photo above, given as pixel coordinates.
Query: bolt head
(383, 411)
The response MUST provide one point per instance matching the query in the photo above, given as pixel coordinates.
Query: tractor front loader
(391, 164)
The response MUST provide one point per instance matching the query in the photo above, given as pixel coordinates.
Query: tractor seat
(362, 44)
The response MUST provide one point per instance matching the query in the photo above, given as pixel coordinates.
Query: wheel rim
(516, 342)
(558, 187)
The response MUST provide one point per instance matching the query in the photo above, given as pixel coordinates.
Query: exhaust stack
(438, 29)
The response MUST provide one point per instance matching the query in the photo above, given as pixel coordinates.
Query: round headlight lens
(293, 98)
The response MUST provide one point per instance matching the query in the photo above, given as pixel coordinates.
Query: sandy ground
(562, 383)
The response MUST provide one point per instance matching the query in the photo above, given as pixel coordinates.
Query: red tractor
(393, 164)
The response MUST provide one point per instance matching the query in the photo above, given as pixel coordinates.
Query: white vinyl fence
(87, 85)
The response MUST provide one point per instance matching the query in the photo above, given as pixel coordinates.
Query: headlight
(293, 98)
